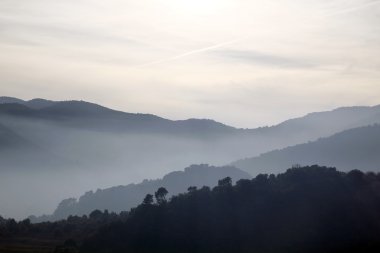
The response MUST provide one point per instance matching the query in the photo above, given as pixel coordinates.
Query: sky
(246, 63)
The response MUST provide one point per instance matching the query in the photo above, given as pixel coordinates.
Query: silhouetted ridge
(307, 209)
(36, 103)
(11, 100)
(39, 103)
(93, 116)
(121, 198)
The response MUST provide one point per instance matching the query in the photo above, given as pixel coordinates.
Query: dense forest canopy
(124, 197)
(305, 209)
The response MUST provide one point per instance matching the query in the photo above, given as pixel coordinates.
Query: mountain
(306, 209)
(83, 146)
(81, 114)
(351, 149)
(36, 103)
(39, 103)
(15, 110)
(311, 126)
(219, 143)
(11, 100)
(323, 124)
(122, 198)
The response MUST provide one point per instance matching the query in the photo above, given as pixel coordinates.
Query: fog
(54, 158)
(65, 162)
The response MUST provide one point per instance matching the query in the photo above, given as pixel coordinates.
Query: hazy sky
(242, 62)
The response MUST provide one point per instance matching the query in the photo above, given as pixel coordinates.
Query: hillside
(37, 103)
(323, 124)
(311, 126)
(306, 209)
(351, 149)
(82, 114)
(83, 146)
(119, 198)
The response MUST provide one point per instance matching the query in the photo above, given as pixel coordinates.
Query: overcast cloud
(246, 63)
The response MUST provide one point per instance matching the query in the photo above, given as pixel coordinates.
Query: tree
(96, 214)
(192, 189)
(160, 195)
(148, 200)
(225, 182)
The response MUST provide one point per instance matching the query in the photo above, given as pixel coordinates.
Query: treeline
(305, 209)
(72, 227)
(308, 209)
(60, 236)
(120, 198)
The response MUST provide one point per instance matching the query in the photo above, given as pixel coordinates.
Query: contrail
(365, 5)
(336, 13)
(191, 52)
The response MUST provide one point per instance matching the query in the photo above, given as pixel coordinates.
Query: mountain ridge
(124, 197)
(78, 110)
(350, 149)
(50, 104)
(113, 147)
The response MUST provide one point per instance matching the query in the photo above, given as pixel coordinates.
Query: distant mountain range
(122, 198)
(23, 117)
(357, 148)
(36, 103)
(69, 147)
(83, 114)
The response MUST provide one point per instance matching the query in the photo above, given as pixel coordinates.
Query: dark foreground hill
(119, 198)
(307, 209)
(352, 149)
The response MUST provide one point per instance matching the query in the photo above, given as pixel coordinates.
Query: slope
(351, 149)
(121, 198)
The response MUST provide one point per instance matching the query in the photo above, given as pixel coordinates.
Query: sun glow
(198, 7)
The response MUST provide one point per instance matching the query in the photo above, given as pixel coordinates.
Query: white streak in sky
(190, 53)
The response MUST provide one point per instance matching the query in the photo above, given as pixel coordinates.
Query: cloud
(261, 58)
(159, 56)
(44, 33)
(196, 51)
(356, 7)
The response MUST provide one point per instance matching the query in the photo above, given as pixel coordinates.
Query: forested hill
(357, 148)
(306, 209)
(309, 209)
(124, 197)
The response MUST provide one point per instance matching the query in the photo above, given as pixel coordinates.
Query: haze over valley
(192, 126)
(71, 147)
